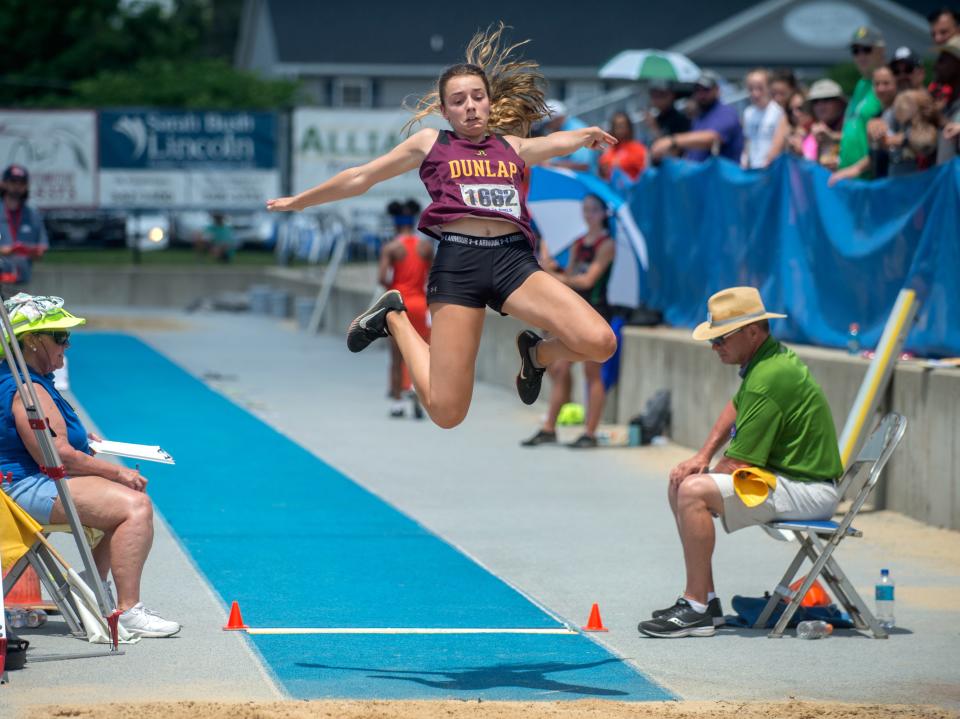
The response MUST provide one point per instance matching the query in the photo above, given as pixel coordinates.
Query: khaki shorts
(790, 500)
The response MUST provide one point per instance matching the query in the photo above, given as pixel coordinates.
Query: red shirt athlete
(404, 266)
(485, 257)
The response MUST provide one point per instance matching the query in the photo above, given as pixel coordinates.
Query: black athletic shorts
(477, 271)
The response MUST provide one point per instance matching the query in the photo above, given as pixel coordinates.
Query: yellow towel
(17, 531)
(753, 484)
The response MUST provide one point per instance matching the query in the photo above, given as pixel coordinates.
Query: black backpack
(655, 418)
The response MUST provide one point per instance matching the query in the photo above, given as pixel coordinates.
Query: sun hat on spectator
(904, 54)
(866, 36)
(556, 108)
(825, 89)
(731, 309)
(951, 46)
(38, 313)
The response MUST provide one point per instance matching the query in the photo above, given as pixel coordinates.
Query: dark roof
(564, 33)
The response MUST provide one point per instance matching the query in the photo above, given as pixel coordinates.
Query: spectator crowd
(895, 122)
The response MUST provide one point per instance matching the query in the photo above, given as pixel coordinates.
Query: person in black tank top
(485, 257)
(587, 272)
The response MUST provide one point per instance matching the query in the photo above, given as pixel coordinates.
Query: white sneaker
(142, 622)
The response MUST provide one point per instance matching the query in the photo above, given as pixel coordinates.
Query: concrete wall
(921, 480)
(138, 286)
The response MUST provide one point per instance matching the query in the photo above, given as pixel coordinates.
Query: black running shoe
(584, 441)
(681, 620)
(713, 609)
(541, 437)
(372, 324)
(529, 378)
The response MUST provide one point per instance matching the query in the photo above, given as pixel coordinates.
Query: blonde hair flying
(515, 86)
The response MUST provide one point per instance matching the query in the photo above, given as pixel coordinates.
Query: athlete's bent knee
(448, 418)
(601, 345)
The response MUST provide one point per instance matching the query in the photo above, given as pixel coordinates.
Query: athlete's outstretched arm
(533, 150)
(357, 180)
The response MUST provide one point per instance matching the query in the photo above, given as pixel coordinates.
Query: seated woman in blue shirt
(108, 497)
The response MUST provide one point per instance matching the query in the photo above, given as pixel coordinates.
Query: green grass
(170, 257)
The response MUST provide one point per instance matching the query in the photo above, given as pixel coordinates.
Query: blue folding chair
(819, 539)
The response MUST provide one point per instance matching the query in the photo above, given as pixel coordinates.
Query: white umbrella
(650, 65)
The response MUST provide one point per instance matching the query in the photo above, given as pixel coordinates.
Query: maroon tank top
(479, 179)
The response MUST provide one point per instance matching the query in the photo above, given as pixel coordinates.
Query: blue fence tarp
(827, 257)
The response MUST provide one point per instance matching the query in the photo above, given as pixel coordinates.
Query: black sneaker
(681, 620)
(372, 324)
(584, 441)
(529, 378)
(415, 403)
(541, 437)
(713, 609)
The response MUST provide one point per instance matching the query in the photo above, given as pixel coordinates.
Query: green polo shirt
(783, 420)
(864, 106)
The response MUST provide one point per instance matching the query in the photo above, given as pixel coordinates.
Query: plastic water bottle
(853, 339)
(16, 618)
(36, 617)
(884, 597)
(814, 629)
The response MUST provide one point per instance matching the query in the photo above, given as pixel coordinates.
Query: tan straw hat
(732, 309)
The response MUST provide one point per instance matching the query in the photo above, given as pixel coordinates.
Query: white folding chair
(819, 539)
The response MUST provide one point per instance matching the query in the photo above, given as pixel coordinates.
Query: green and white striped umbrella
(650, 65)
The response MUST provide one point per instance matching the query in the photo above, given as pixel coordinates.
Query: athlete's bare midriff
(480, 227)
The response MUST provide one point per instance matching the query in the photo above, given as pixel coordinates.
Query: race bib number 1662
(491, 197)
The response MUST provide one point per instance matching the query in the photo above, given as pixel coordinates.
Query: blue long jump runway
(299, 544)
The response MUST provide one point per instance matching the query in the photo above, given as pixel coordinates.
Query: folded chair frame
(819, 539)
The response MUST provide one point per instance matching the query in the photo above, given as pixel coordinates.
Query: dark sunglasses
(861, 50)
(717, 341)
(61, 337)
(902, 69)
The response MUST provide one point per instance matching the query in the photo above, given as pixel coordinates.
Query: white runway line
(402, 630)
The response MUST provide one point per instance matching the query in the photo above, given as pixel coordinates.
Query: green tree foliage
(108, 52)
(188, 84)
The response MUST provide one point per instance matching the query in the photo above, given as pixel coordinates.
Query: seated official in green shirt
(782, 461)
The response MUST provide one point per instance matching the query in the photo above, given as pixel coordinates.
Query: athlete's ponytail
(514, 86)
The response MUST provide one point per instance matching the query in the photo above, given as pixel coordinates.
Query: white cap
(556, 108)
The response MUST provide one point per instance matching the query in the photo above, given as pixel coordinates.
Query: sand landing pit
(488, 710)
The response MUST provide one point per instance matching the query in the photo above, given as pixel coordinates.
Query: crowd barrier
(826, 256)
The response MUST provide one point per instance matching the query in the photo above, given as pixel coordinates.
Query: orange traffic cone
(594, 623)
(236, 620)
(26, 592)
(816, 596)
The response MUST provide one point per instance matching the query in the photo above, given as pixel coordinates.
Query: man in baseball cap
(716, 128)
(782, 459)
(907, 69)
(23, 236)
(868, 48)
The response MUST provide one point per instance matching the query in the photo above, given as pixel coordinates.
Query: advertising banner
(188, 159)
(326, 142)
(58, 148)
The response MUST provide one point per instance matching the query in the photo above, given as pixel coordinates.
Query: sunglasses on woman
(61, 337)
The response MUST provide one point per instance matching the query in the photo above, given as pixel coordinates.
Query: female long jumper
(485, 257)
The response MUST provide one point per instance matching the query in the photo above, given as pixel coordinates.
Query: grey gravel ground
(567, 527)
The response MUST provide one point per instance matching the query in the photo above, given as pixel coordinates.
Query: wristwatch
(673, 142)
